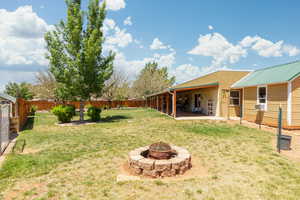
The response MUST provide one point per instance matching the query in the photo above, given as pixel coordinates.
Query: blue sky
(191, 38)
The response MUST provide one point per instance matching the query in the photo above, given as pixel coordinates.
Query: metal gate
(4, 126)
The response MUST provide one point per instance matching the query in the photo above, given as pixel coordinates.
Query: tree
(75, 53)
(152, 79)
(21, 90)
(117, 87)
(45, 85)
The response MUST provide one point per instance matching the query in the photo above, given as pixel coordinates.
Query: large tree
(19, 90)
(75, 53)
(152, 79)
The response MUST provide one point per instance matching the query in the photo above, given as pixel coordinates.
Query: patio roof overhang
(8, 97)
(181, 89)
(195, 87)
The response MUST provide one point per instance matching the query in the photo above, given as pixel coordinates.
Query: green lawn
(82, 162)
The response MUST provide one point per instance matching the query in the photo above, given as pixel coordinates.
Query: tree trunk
(81, 110)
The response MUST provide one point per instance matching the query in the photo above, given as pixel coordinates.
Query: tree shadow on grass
(114, 118)
(29, 123)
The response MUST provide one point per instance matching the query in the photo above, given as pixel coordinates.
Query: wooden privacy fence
(48, 105)
(23, 111)
(24, 107)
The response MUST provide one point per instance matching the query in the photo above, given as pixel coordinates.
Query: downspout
(289, 104)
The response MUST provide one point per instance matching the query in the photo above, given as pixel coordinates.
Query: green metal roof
(276, 74)
(8, 97)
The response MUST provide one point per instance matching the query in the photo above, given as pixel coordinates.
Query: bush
(73, 109)
(33, 109)
(64, 113)
(94, 113)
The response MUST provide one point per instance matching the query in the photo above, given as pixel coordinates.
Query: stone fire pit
(141, 162)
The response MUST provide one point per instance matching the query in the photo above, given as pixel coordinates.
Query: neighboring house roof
(7, 97)
(270, 75)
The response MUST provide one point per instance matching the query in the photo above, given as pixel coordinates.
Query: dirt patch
(293, 153)
(197, 170)
(30, 151)
(33, 191)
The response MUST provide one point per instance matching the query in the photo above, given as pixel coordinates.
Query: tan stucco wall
(296, 102)
(276, 96)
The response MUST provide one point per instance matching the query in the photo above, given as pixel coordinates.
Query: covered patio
(197, 101)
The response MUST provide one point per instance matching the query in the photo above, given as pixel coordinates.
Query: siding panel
(276, 96)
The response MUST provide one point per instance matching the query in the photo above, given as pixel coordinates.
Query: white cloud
(157, 44)
(267, 48)
(132, 67)
(291, 50)
(120, 38)
(22, 37)
(128, 21)
(223, 52)
(210, 27)
(216, 46)
(115, 4)
(186, 72)
(165, 60)
(109, 24)
(115, 37)
(129, 67)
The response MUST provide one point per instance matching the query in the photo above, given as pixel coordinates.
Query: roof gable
(270, 75)
(223, 77)
(7, 97)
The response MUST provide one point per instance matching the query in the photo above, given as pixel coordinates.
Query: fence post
(279, 128)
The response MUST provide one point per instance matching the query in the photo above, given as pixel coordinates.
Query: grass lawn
(82, 162)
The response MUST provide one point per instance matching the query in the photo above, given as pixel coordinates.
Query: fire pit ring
(141, 162)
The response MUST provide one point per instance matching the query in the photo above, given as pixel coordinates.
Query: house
(266, 89)
(254, 96)
(206, 95)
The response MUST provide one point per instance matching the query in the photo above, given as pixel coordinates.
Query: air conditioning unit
(260, 107)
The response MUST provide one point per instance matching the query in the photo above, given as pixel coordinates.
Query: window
(262, 95)
(235, 97)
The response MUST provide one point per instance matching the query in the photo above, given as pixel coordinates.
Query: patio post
(174, 103)
(167, 103)
(162, 104)
(157, 102)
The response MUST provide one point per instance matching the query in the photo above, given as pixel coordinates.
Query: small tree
(152, 79)
(22, 90)
(75, 53)
(117, 87)
(45, 85)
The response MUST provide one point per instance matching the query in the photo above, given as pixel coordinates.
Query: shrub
(33, 109)
(73, 109)
(64, 113)
(94, 113)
